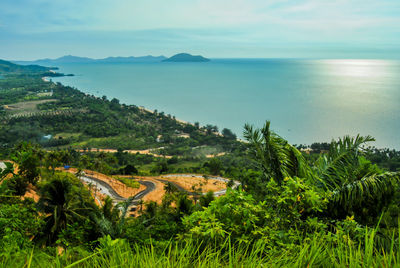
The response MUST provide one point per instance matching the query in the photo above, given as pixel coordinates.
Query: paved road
(150, 186)
(103, 187)
(106, 189)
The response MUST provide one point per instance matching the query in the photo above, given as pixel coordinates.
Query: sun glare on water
(357, 67)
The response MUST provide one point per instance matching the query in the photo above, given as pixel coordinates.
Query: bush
(285, 216)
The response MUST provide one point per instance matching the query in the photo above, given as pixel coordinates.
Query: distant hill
(185, 57)
(9, 67)
(75, 59)
(133, 59)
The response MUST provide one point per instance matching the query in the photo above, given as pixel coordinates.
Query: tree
(274, 155)
(53, 160)
(214, 166)
(61, 205)
(161, 167)
(129, 170)
(206, 199)
(228, 134)
(184, 205)
(352, 184)
(211, 129)
(358, 187)
(170, 188)
(27, 158)
(112, 220)
(18, 185)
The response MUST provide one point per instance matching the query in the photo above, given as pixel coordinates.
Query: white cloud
(250, 22)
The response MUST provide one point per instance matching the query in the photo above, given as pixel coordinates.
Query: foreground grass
(315, 252)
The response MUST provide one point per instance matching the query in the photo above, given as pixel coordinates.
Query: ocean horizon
(306, 100)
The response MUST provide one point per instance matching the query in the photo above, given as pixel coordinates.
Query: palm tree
(112, 219)
(61, 205)
(343, 164)
(110, 211)
(275, 156)
(353, 184)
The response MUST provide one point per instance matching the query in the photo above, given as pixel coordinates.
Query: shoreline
(285, 127)
(178, 120)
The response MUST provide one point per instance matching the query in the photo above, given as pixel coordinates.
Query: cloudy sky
(32, 29)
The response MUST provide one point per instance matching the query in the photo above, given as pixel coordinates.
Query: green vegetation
(333, 207)
(129, 182)
(340, 210)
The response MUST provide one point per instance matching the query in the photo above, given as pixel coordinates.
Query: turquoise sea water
(306, 100)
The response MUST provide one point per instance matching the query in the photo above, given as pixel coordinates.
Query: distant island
(185, 57)
(181, 57)
(75, 59)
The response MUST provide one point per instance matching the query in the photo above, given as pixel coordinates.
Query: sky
(33, 29)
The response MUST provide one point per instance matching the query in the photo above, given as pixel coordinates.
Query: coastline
(158, 87)
(178, 120)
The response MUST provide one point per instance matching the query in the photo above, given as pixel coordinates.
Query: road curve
(150, 186)
(106, 189)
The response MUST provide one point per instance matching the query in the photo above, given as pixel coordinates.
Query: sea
(306, 100)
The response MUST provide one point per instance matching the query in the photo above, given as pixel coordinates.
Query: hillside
(9, 67)
(185, 57)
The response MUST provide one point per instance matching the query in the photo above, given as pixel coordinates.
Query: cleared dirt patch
(187, 182)
(155, 195)
(26, 106)
(32, 193)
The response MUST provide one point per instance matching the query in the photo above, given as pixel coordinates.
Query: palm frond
(276, 157)
(342, 163)
(367, 187)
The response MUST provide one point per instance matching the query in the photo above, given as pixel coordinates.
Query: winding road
(106, 189)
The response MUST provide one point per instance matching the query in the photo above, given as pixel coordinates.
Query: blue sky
(32, 29)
